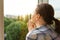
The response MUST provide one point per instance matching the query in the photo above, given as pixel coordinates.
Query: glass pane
(19, 7)
(16, 15)
(56, 5)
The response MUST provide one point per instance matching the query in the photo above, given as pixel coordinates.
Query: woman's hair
(47, 12)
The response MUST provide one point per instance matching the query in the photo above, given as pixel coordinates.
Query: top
(42, 33)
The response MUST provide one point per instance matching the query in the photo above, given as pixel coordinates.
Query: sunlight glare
(19, 7)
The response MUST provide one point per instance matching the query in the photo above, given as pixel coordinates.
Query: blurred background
(18, 12)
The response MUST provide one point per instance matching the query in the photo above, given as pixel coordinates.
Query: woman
(43, 19)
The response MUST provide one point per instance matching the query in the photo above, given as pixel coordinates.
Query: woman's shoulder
(34, 34)
(40, 33)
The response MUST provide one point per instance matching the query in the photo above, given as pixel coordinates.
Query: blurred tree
(20, 18)
(30, 16)
(16, 31)
(26, 18)
(8, 21)
(23, 31)
(13, 31)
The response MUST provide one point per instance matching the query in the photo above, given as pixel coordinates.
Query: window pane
(56, 5)
(19, 7)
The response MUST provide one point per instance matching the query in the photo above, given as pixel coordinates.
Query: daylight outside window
(56, 6)
(18, 12)
(16, 15)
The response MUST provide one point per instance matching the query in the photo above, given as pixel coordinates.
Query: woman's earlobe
(38, 17)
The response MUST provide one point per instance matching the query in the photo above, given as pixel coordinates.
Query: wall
(1, 21)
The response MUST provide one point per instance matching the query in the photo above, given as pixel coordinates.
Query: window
(16, 15)
(19, 7)
(56, 5)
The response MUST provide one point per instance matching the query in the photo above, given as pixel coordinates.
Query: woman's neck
(40, 23)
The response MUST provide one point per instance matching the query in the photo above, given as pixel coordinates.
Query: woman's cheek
(34, 20)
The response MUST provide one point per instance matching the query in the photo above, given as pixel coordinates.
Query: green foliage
(16, 31)
(13, 31)
(23, 31)
(8, 21)
(27, 17)
(20, 18)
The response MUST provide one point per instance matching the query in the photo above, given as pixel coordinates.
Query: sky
(23, 7)
(19, 7)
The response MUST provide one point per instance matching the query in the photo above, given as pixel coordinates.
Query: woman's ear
(37, 17)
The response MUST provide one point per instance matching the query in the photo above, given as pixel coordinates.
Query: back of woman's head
(47, 12)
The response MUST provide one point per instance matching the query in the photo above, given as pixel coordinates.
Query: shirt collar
(42, 28)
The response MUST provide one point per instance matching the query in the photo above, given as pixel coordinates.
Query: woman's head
(45, 12)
